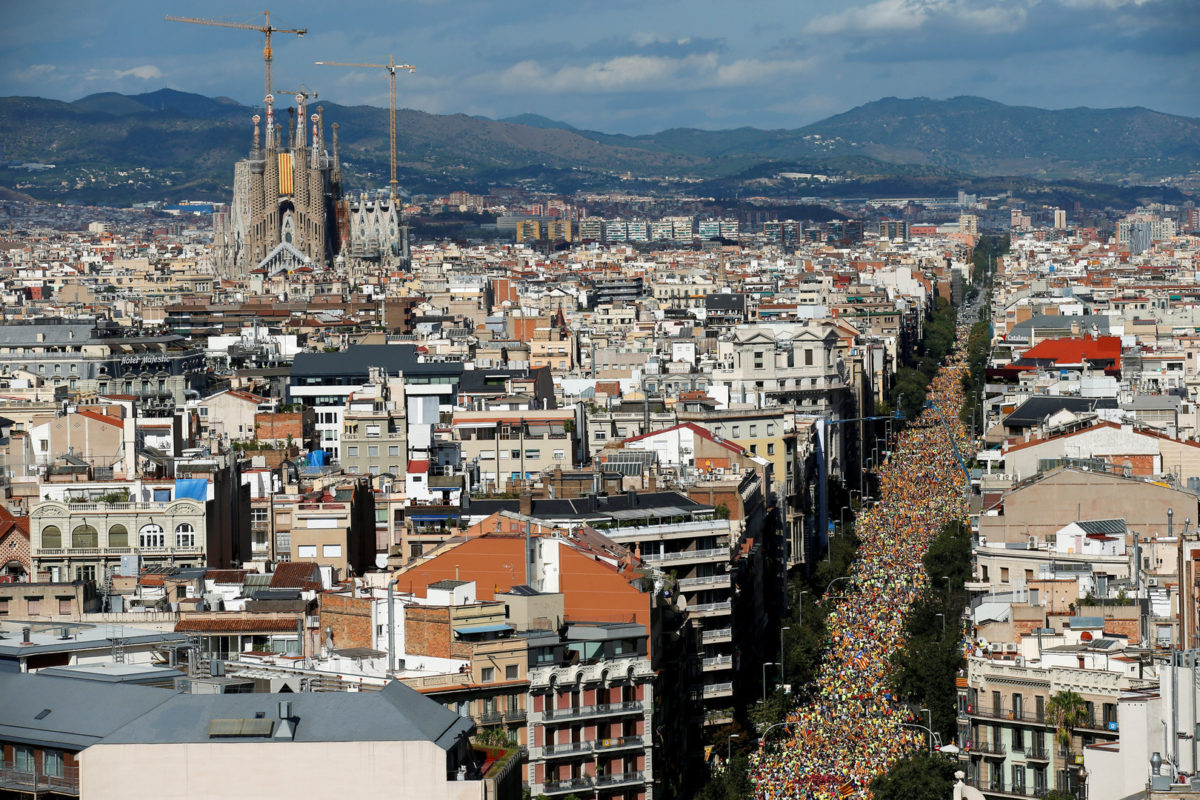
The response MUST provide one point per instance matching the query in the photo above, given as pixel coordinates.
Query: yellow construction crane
(266, 30)
(391, 67)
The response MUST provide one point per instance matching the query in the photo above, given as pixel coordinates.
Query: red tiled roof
(698, 430)
(97, 417)
(295, 575)
(1076, 350)
(418, 465)
(227, 575)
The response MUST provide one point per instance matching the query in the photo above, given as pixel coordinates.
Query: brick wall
(427, 631)
(14, 546)
(277, 427)
(350, 619)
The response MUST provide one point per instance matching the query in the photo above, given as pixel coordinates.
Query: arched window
(185, 535)
(51, 536)
(85, 536)
(118, 536)
(152, 536)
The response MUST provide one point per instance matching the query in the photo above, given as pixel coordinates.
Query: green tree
(1066, 711)
(919, 777)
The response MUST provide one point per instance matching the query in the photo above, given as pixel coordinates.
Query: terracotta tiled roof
(295, 575)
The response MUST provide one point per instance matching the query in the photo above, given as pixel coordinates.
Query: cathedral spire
(315, 161)
(291, 128)
(270, 127)
(255, 152)
(301, 122)
(337, 160)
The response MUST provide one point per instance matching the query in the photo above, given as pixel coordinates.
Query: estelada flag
(846, 790)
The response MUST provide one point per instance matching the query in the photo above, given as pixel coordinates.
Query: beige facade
(281, 769)
(514, 444)
(71, 541)
(321, 532)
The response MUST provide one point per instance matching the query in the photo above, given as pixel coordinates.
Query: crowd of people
(853, 729)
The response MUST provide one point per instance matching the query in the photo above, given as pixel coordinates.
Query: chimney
(526, 501)
(286, 729)
(25, 631)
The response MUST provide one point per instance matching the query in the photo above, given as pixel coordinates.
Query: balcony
(1009, 714)
(713, 554)
(709, 609)
(514, 715)
(32, 783)
(718, 689)
(620, 743)
(1034, 753)
(568, 749)
(1014, 790)
(719, 662)
(991, 749)
(600, 710)
(565, 786)
(706, 582)
(718, 635)
(619, 779)
(491, 718)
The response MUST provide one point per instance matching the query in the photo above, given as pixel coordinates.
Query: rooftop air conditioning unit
(1152, 583)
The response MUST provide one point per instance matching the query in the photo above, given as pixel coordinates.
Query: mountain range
(179, 144)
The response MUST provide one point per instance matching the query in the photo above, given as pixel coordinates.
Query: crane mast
(266, 30)
(391, 68)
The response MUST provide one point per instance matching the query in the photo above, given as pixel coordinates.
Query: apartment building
(514, 445)
(591, 719)
(1005, 729)
(374, 437)
(88, 540)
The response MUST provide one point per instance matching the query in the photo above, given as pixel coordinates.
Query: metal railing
(719, 633)
(33, 782)
(619, 779)
(718, 662)
(988, 748)
(601, 709)
(716, 552)
(714, 689)
(704, 608)
(707, 580)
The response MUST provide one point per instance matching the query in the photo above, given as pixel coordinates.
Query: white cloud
(633, 73)
(36, 72)
(146, 72)
(909, 15)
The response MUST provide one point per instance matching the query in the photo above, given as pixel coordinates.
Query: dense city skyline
(629, 68)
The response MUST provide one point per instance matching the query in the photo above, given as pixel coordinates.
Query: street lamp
(800, 607)
(764, 677)
(729, 747)
(943, 616)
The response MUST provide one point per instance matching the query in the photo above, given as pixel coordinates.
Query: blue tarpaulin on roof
(191, 489)
(484, 629)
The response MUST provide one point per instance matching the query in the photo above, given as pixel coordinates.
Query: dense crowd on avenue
(853, 729)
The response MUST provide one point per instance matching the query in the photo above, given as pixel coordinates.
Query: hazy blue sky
(627, 66)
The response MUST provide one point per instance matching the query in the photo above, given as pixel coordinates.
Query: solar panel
(240, 727)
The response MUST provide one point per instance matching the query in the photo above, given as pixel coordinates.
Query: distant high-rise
(1060, 219)
(968, 223)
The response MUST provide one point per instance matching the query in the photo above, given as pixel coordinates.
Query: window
(33, 606)
(306, 551)
(753, 431)
(86, 573)
(331, 551)
(415, 549)
(533, 453)
(770, 448)
(737, 431)
(559, 455)
(770, 429)
(64, 606)
(3, 606)
(352, 451)
(162, 495)
(118, 536)
(510, 674)
(515, 454)
(152, 536)
(808, 358)
(393, 449)
(23, 759)
(51, 536)
(185, 535)
(85, 536)
(373, 451)
(1004, 574)
(487, 675)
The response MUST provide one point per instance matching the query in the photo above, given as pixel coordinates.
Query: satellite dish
(381, 560)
